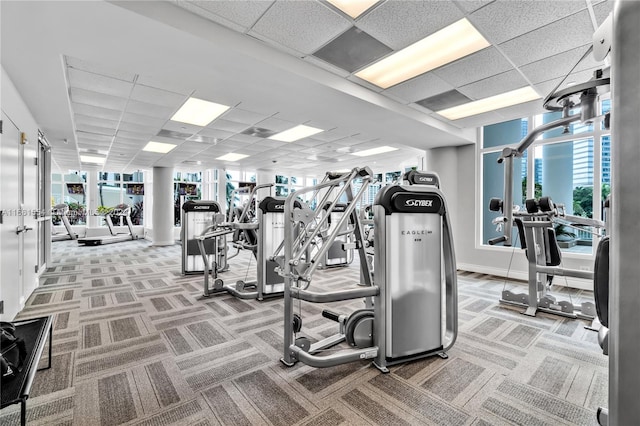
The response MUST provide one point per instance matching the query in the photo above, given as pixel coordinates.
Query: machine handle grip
(496, 240)
(331, 315)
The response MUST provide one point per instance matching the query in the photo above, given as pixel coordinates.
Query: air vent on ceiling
(258, 132)
(352, 50)
(323, 159)
(174, 135)
(444, 100)
(186, 136)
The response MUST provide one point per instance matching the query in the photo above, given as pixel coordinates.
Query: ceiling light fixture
(198, 112)
(503, 100)
(232, 157)
(160, 147)
(295, 133)
(92, 159)
(353, 8)
(374, 151)
(450, 43)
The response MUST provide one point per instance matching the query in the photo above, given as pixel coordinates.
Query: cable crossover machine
(411, 303)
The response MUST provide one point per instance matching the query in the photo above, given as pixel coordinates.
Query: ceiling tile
(420, 87)
(401, 23)
(95, 129)
(474, 67)
(242, 13)
(98, 69)
(95, 121)
(137, 128)
(95, 111)
(229, 126)
(494, 85)
(301, 25)
(521, 110)
(602, 10)
(470, 5)
(519, 17)
(134, 136)
(93, 136)
(96, 99)
(560, 36)
(330, 135)
(558, 65)
(150, 110)
(352, 50)
(99, 83)
(152, 95)
(243, 116)
(143, 120)
(276, 124)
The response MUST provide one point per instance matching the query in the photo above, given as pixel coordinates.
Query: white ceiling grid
(523, 33)
(115, 112)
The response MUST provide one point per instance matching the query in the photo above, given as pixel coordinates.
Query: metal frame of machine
(391, 329)
(123, 210)
(197, 217)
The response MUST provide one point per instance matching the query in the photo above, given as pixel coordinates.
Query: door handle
(20, 229)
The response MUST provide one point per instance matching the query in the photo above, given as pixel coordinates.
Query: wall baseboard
(577, 283)
(162, 243)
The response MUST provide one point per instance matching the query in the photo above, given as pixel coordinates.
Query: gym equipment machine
(62, 210)
(121, 210)
(197, 216)
(340, 252)
(538, 239)
(263, 236)
(411, 311)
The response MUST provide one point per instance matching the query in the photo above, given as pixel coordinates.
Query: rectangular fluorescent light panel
(160, 147)
(92, 159)
(198, 112)
(374, 151)
(353, 8)
(295, 133)
(232, 157)
(502, 100)
(447, 45)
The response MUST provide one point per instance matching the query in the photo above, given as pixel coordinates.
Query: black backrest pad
(555, 257)
(601, 281)
(521, 234)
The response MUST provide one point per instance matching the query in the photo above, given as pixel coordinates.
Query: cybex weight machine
(411, 305)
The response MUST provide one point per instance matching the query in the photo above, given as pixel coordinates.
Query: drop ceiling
(105, 78)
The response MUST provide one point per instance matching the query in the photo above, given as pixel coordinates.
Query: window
(563, 164)
(494, 138)
(118, 188)
(186, 186)
(234, 180)
(70, 189)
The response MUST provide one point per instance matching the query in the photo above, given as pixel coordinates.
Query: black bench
(35, 332)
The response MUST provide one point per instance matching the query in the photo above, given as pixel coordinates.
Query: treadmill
(121, 210)
(62, 210)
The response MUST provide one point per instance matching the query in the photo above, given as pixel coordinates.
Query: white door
(11, 241)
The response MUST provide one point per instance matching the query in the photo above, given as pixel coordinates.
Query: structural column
(93, 221)
(624, 298)
(162, 212)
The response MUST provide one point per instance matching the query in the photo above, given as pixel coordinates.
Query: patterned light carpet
(135, 343)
